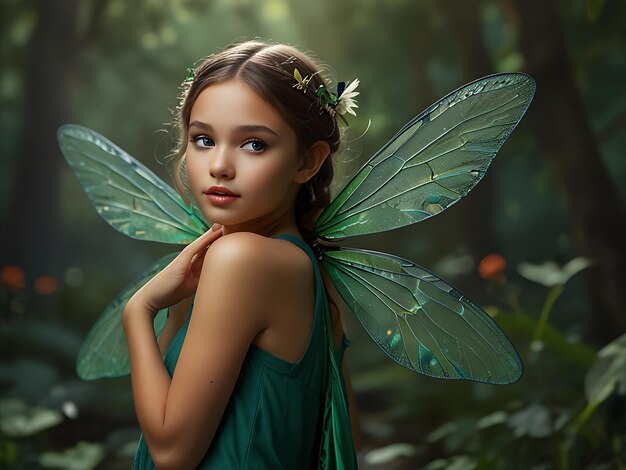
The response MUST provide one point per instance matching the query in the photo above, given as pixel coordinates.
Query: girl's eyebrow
(202, 125)
(245, 127)
(257, 128)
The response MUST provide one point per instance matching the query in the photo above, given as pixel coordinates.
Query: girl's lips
(220, 196)
(221, 199)
(220, 190)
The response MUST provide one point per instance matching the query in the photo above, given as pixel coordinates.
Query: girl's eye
(203, 141)
(254, 146)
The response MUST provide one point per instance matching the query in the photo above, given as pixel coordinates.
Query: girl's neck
(285, 224)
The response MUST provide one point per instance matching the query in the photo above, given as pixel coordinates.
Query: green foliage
(608, 373)
(19, 420)
(83, 456)
(573, 420)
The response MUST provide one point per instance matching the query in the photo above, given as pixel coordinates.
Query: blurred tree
(31, 236)
(597, 214)
(463, 21)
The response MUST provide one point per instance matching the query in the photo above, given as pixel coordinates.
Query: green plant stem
(584, 415)
(553, 294)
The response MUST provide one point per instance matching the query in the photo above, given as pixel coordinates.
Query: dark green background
(554, 192)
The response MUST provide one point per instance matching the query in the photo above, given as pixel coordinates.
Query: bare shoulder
(255, 258)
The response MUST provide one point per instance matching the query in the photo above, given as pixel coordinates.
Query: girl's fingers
(203, 240)
(200, 253)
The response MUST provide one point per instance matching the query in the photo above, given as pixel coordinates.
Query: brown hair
(269, 70)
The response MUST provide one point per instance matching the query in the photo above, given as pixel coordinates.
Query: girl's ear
(314, 157)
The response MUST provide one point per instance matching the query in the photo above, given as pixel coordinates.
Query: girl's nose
(221, 165)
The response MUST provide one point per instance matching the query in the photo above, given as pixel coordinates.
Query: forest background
(554, 194)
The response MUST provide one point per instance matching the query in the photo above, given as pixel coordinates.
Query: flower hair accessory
(338, 103)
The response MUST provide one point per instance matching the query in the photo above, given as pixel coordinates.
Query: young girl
(239, 377)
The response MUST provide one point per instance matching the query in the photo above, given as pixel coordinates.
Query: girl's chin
(229, 225)
(215, 217)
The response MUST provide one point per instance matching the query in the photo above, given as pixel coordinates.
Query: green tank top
(281, 415)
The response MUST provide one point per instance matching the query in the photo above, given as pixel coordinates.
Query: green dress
(281, 415)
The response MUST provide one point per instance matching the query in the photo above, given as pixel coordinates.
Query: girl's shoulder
(262, 275)
(264, 255)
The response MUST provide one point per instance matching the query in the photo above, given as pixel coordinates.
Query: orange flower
(492, 267)
(13, 278)
(46, 285)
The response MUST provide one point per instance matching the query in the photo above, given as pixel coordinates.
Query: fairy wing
(135, 201)
(433, 161)
(421, 321)
(129, 196)
(104, 353)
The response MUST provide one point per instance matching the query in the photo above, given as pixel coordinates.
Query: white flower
(346, 102)
(550, 274)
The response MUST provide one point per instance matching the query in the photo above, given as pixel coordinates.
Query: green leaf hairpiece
(191, 75)
(302, 83)
(338, 103)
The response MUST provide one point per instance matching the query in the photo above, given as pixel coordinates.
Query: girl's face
(242, 159)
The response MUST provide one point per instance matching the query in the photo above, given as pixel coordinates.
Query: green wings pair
(418, 319)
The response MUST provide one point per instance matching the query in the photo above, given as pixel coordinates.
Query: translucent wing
(421, 321)
(433, 161)
(104, 352)
(126, 193)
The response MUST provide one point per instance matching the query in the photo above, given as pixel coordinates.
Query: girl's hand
(179, 279)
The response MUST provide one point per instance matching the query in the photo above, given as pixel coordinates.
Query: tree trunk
(477, 210)
(30, 237)
(597, 215)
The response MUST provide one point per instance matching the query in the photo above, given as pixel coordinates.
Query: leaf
(18, 419)
(547, 274)
(575, 353)
(387, 454)
(458, 462)
(608, 373)
(493, 419)
(575, 266)
(441, 432)
(550, 274)
(532, 421)
(83, 456)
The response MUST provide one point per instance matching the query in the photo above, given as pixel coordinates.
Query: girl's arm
(175, 319)
(179, 416)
